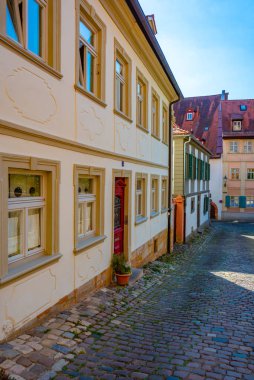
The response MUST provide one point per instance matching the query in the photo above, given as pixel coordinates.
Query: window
(234, 201)
(32, 28)
(189, 116)
(29, 213)
(249, 201)
(206, 205)
(233, 147)
(235, 173)
(243, 107)
(250, 173)
(164, 194)
(248, 147)
(122, 82)
(236, 125)
(165, 127)
(89, 185)
(141, 180)
(192, 205)
(91, 52)
(155, 115)
(154, 196)
(141, 106)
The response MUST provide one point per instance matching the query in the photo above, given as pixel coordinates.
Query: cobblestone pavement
(190, 317)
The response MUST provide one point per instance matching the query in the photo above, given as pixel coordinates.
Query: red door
(119, 215)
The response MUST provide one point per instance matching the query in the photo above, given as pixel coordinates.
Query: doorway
(119, 214)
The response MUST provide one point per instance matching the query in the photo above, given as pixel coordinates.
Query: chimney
(224, 95)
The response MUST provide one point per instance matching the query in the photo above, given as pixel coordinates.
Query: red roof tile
(231, 111)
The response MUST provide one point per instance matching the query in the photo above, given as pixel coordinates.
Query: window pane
(81, 225)
(89, 71)
(89, 217)
(139, 204)
(34, 229)
(22, 185)
(14, 233)
(139, 184)
(85, 185)
(11, 30)
(86, 33)
(34, 27)
(119, 68)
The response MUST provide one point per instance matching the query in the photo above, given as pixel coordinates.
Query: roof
(177, 131)
(204, 125)
(231, 111)
(144, 25)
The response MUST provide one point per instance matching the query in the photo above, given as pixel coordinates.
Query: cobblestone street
(191, 316)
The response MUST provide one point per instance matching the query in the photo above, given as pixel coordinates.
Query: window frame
(235, 174)
(247, 147)
(189, 116)
(121, 56)
(250, 173)
(164, 208)
(86, 14)
(233, 147)
(251, 200)
(51, 46)
(165, 124)
(144, 83)
(192, 205)
(236, 125)
(233, 203)
(142, 217)
(95, 236)
(51, 171)
(155, 116)
(154, 192)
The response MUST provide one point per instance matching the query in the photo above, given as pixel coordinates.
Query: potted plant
(121, 269)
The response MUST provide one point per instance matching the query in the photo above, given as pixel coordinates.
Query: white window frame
(83, 201)
(235, 173)
(140, 198)
(248, 147)
(189, 116)
(164, 194)
(234, 201)
(236, 125)
(154, 196)
(250, 201)
(233, 147)
(250, 173)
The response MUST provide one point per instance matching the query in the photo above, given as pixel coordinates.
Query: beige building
(84, 133)
(191, 176)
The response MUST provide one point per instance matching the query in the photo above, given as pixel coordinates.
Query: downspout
(184, 171)
(170, 163)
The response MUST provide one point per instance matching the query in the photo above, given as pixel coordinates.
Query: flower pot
(123, 279)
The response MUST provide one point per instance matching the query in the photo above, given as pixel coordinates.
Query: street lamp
(225, 180)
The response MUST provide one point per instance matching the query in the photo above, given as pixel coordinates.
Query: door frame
(127, 174)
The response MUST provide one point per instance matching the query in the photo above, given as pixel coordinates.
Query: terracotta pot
(123, 279)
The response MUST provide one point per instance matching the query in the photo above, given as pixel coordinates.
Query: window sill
(31, 57)
(121, 114)
(88, 243)
(29, 267)
(165, 143)
(164, 210)
(155, 137)
(90, 95)
(141, 219)
(142, 128)
(154, 214)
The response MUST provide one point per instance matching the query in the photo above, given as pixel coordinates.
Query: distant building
(191, 176)
(226, 127)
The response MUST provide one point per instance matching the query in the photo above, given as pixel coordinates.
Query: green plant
(4, 376)
(120, 265)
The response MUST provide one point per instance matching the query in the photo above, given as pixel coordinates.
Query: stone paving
(190, 317)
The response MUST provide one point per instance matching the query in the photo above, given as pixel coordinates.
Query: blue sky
(209, 44)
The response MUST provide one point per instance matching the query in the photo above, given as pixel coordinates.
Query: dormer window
(189, 116)
(236, 125)
(243, 107)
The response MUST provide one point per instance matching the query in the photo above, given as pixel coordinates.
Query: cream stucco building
(84, 144)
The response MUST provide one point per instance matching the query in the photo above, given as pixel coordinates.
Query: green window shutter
(194, 167)
(190, 165)
(198, 169)
(227, 201)
(202, 170)
(209, 172)
(242, 201)
(187, 166)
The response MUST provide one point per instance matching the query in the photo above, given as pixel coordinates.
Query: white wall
(216, 184)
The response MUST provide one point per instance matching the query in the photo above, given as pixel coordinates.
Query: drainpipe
(170, 165)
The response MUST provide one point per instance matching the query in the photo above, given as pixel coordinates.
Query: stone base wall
(150, 251)
(199, 229)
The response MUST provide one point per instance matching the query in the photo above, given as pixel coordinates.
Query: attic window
(243, 107)
(189, 116)
(236, 125)
(206, 128)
